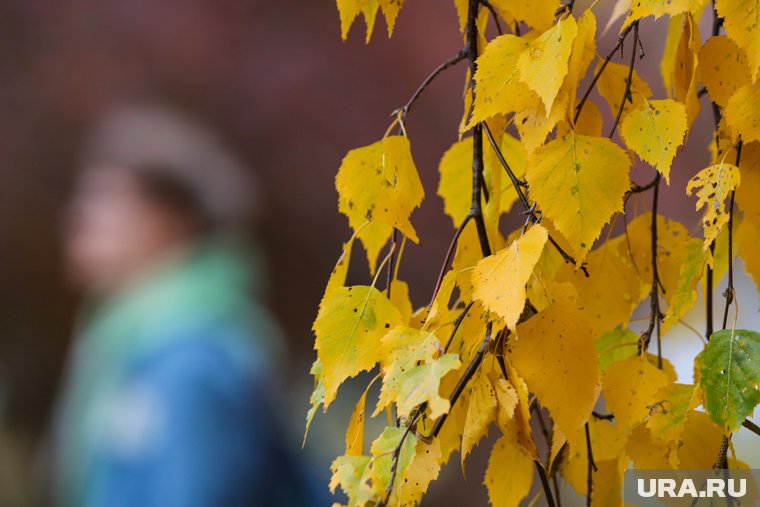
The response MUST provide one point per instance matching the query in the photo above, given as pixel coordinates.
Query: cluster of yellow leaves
(543, 323)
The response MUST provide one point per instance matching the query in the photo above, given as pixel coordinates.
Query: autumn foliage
(534, 322)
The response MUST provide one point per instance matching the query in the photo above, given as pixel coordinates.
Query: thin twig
(389, 278)
(457, 323)
(489, 6)
(754, 428)
(729, 292)
(404, 110)
(591, 467)
(599, 72)
(382, 501)
(654, 295)
(468, 374)
(446, 259)
(529, 209)
(545, 484)
(629, 80)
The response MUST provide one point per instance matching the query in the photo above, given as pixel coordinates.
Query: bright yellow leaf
(543, 63)
(424, 469)
(506, 456)
(686, 68)
(579, 183)
(630, 387)
(699, 440)
(498, 88)
(723, 68)
(481, 412)
(611, 85)
(355, 431)
(499, 280)
(554, 352)
(655, 130)
(657, 8)
(350, 323)
(713, 186)
(743, 113)
(380, 183)
(740, 20)
(581, 56)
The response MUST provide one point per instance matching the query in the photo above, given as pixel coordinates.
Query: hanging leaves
(568, 303)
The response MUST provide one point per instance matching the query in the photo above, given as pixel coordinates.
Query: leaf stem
(629, 80)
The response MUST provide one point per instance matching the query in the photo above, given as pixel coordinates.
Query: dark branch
(729, 292)
(446, 259)
(654, 295)
(404, 110)
(599, 72)
(529, 209)
(754, 428)
(591, 467)
(466, 377)
(489, 6)
(629, 80)
(457, 323)
(545, 484)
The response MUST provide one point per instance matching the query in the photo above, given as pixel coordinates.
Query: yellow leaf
(747, 239)
(713, 185)
(668, 61)
(672, 238)
(400, 299)
(424, 469)
(338, 276)
(507, 400)
(481, 412)
(538, 15)
(724, 68)
(699, 440)
(685, 295)
(630, 387)
(655, 130)
(740, 19)
(685, 69)
(543, 63)
(373, 235)
(348, 328)
(498, 88)
(505, 456)
(455, 185)
(589, 122)
(317, 397)
(421, 384)
(669, 417)
(518, 428)
(554, 352)
(352, 474)
(390, 10)
(579, 183)
(657, 8)
(743, 114)
(581, 56)
(647, 452)
(499, 280)
(611, 85)
(610, 293)
(380, 183)
(348, 10)
(534, 124)
(401, 350)
(355, 431)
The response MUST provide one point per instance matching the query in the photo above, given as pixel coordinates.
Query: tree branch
(591, 467)
(754, 428)
(629, 80)
(489, 6)
(654, 295)
(599, 72)
(468, 374)
(729, 292)
(529, 209)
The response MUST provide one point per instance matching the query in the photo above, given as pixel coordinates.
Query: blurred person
(169, 399)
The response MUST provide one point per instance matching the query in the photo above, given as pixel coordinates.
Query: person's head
(151, 184)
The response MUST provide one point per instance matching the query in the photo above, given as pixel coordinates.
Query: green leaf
(729, 373)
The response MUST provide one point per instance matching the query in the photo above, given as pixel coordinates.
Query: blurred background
(276, 81)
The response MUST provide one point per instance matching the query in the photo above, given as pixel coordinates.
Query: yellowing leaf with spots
(543, 63)
(424, 468)
(554, 352)
(740, 19)
(743, 113)
(379, 183)
(669, 415)
(350, 323)
(579, 183)
(506, 456)
(421, 384)
(538, 15)
(355, 431)
(655, 130)
(657, 8)
(481, 412)
(724, 68)
(498, 89)
(630, 388)
(382, 465)
(685, 295)
(713, 186)
(499, 280)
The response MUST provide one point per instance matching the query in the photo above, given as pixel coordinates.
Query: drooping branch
(629, 79)
(395, 456)
(466, 377)
(599, 72)
(729, 292)
(529, 209)
(655, 317)
(591, 467)
(404, 110)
